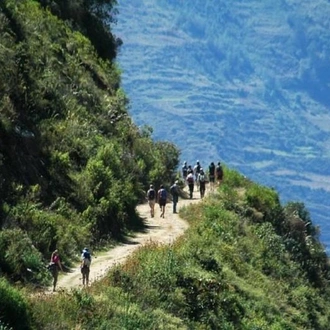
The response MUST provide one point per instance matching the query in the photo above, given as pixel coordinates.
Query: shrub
(20, 258)
(13, 308)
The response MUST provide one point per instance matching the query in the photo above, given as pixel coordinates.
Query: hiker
(174, 190)
(219, 173)
(151, 196)
(190, 181)
(197, 169)
(86, 260)
(184, 170)
(54, 267)
(162, 197)
(212, 175)
(202, 182)
(190, 170)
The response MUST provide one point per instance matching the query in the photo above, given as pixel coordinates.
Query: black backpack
(174, 190)
(219, 171)
(151, 194)
(212, 169)
(184, 170)
(162, 194)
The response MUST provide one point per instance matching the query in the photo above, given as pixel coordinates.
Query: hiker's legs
(202, 190)
(162, 208)
(87, 276)
(191, 189)
(152, 208)
(55, 277)
(174, 206)
(212, 185)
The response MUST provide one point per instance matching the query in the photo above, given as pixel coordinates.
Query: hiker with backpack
(212, 175)
(184, 171)
(162, 198)
(190, 181)
(219, 173)
(174, 190)
(197, 169)
(55, 266)
(151, 196)
(202, 182)
(190, 170)
(86, 260)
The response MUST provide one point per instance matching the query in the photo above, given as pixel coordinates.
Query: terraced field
(246, 83)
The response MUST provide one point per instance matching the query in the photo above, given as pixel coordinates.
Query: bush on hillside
(20, 258)
(13, 308)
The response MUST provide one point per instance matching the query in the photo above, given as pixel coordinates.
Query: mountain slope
(246, 83)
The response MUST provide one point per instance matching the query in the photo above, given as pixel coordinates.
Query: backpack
(87, 259)
(162, 194)
(151, 194)
(190, 179)
(174, 190)
(184, 170)
(211, 169)
(202, 178)
(198, 168)
(219, 171)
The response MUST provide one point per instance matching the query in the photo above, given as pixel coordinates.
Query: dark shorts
(212, 178)
(85, 270)
(162, 202)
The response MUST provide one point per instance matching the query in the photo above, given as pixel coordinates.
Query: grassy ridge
(246, 262)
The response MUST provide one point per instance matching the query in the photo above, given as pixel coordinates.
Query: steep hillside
(244, 263)
(73, 164)
(247, 83)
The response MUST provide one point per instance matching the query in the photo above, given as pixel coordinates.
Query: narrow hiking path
(158, 230)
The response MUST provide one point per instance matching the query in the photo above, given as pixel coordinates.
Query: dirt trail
(158, 230)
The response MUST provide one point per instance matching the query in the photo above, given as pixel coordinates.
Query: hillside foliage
(246, 262)
(73, 164)
(73, 168)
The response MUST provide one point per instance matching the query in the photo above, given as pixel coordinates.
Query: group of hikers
(191, 176)
(161, 196)
(55, 266)
(196, 175)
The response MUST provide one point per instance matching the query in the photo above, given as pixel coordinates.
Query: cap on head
(151, 186)
(176, 181)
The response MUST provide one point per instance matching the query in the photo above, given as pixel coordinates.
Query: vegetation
(73, 164)
(73, 168)
(246, 262)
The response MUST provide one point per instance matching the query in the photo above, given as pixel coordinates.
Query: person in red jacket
(55, 266)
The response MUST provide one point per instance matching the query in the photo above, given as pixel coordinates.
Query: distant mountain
(246, 83)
